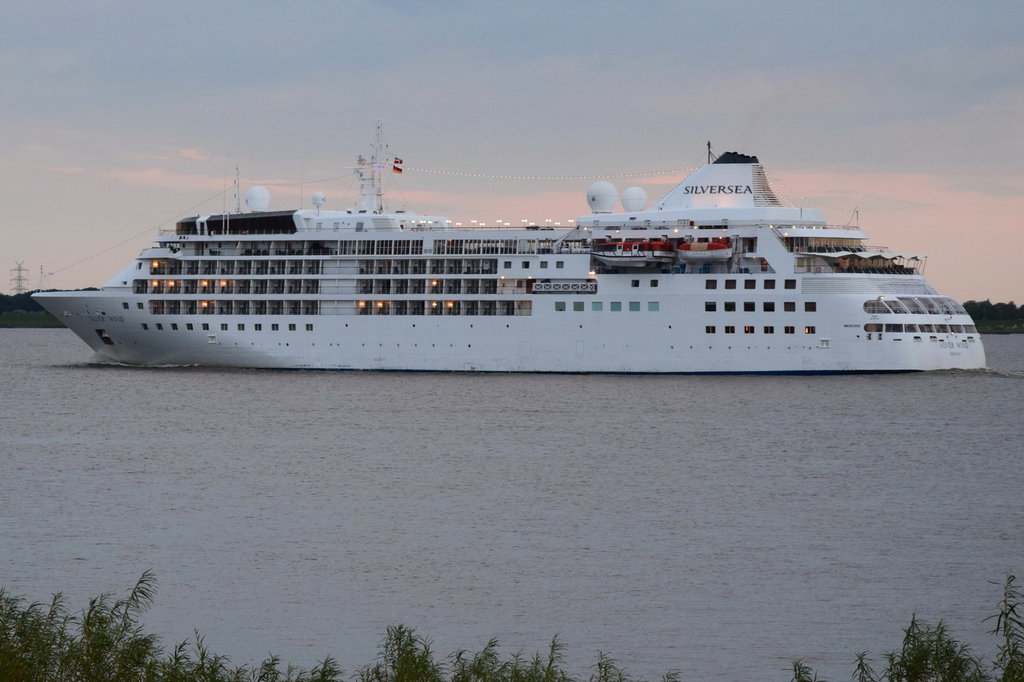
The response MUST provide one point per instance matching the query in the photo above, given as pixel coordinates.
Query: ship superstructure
(716, 277)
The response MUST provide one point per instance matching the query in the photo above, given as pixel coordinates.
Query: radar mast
(369, 172)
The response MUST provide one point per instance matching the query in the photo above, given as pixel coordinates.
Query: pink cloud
(967, 232)
(164, 179)
(68, 170)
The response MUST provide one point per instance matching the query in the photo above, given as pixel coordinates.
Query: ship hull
(673, 340)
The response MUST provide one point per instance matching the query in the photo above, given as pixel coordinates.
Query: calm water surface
(721, 526)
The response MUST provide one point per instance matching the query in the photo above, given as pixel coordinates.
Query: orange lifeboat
(719, 248)
(634, 253)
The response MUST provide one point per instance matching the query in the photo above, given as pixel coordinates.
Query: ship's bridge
(291, 222)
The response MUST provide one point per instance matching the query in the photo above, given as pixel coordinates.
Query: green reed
(930, 654)
(105, 641)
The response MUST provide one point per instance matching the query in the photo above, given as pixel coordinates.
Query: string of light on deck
(495, 176)
(498, 176)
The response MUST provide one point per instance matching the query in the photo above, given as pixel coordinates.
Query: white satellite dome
(319, 199)
(602, 196)
(257, 199)
(634, 199)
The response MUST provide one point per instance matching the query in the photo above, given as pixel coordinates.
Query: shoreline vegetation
(22, 312)
(106, 641)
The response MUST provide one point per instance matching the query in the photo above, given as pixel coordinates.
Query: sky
(118, 118)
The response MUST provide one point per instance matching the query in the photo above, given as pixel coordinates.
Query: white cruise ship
(717, 277)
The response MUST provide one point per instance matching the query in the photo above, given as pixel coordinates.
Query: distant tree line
(987, 310)
(19, 303)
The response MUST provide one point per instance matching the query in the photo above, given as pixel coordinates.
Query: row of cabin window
(766, 306)
(559, 264)
(229, 267)
(750, 329)
(205, 326)
(925, 328)
(499, 308)
(613, 306)
(750, 284)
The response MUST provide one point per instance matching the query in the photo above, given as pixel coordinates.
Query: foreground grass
(930, 654)
(105, 641)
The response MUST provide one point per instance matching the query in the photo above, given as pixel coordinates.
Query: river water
(720, 526)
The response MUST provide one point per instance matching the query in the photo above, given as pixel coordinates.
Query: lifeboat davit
(719, 248)
(634, 253)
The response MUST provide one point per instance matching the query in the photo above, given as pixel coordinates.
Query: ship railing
(893, 268)
(827, 226)
(841, 249)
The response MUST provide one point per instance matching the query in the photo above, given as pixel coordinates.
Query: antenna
(711, 157)
(19, 280)
(42, 278)
(369, 172)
